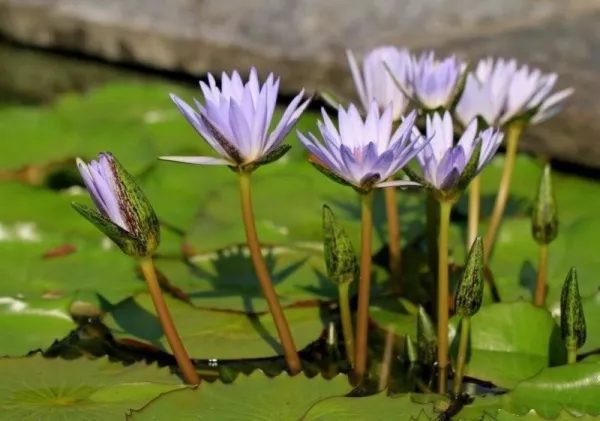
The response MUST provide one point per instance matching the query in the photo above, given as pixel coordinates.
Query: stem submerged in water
(262, 273)
(183, 360)
(364, 287)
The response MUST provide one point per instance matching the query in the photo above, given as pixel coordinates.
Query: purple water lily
(123, 213)
(443, 164)
(375, 82)
(236, 118)
(501, 90)
(435, 82)
(99, 178)
(364, 153)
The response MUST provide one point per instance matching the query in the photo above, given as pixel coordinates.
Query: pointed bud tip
(469, 292)
(340, 258)
(573, 325)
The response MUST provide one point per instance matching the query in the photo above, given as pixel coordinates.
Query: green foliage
(66, 291)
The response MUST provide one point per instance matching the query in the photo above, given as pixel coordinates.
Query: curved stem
(262, 273)
(512, 145)
(540, 284)
(364, 286)
(346, 317)
(395, 251)
(443, 290)
(463, 345)
(183, 360)
(474, 208)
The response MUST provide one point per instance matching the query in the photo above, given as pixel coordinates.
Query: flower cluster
(366, 147)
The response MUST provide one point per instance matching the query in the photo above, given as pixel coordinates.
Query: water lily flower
(499, 91)
(447, 169)
(364, 153)
(123, 213)
(376, 83)
(235, 120)
(434, 83)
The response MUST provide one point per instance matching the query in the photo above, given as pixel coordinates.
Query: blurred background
(51, 47)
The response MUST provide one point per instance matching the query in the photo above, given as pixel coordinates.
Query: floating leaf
(505, 349)
(34, 325)
(212, 334)
(256, 397)
(36, 388)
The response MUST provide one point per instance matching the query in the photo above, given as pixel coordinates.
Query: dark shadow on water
(231, 274)
(527, 276)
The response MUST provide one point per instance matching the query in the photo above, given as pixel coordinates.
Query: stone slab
(303, 41)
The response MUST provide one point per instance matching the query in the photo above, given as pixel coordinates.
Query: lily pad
(27, 274)
(591, 311)
(212, 334)
(510, 342)
(288, 199)
(396, 312)
(31, 326)
(255, 397)
(378, 407)
(226, 279)
(515, 259)
(568, 390)
(56, 390)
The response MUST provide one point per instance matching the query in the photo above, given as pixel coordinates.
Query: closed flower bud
(426, 338)
(123, 212)
(544, 219)
(572, 319)
(340, 259)
(469, 293)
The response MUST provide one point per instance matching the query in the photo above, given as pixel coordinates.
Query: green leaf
(515, 258)
(55, 390)
(504, 348)
(212, 334)
(283, 218)
(33, 325)
(556, 392)
(28, 275)
(255, 397)
(226, 279)
(397, 313)
(378, 407)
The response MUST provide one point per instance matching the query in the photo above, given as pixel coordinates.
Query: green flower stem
(262, 273)
(433, 223)
(465, 329)
(364, 286)
(542, 272)
(443, 295)
(571, 355)
(513, 134)
(346, 317)
(474, 209)
(168, 327)
(395, 251)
